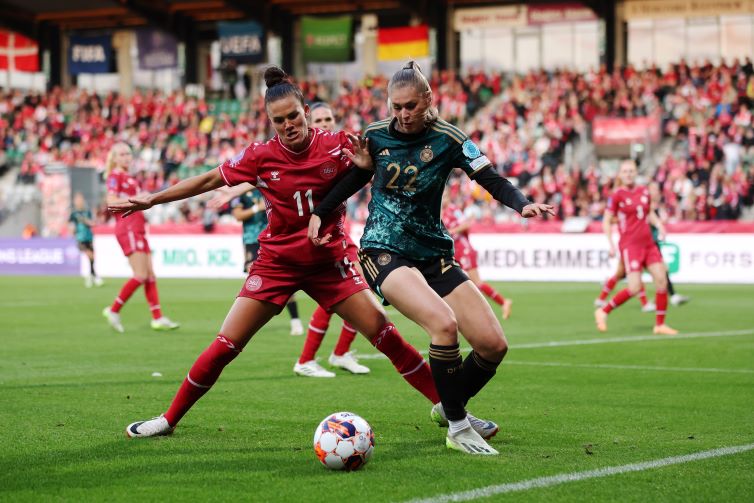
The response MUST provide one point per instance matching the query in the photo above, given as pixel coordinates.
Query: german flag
(402, 43)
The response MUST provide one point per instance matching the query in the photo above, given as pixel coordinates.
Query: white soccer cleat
(470, 442)
(154, 427)
(97, 281)
(296, 327)
(348, 362)
(311, 369)
(600, 303)
(113, 319)
(486, 429)
(87, 281)
(163, 323)
(677, 299)
(649, 307)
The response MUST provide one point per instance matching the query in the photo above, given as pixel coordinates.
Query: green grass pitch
(69, 386)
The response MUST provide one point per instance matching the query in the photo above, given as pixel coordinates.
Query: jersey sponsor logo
(328, 170)
(383, 259)
(254, 283)
(479, 162)
(470, 150)
(275, 176)
(384, 151)
(426, 154)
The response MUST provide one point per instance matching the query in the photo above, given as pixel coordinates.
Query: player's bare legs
(407, 290)
(244, 319)
(633, 288)
(658, 271)
(504, 302)
(367, 316)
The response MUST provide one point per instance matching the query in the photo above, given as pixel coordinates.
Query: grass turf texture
(70, 385)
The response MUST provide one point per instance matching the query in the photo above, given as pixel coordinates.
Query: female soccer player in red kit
(633, 207)
(131, 235)
(293, 171)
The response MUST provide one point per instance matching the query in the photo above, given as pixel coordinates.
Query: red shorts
(131, 241)
(636, 258)
(465, 255)
(326, 283)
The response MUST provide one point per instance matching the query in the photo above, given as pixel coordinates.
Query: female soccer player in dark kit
(407, 254)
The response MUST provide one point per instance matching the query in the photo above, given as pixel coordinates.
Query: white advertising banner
(175, 256)
(691, 258)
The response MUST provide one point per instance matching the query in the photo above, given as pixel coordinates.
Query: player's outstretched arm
(504, 191)
(189, 187)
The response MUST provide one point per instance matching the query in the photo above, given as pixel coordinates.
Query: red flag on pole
(18, 53)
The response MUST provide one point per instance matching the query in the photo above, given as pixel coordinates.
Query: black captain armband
(345, 188)
(501, 189)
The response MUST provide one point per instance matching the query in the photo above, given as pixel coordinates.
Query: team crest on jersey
(470, 150)
(328, 170)
(254, 283)
(644, 199)
(275, 176)
(383, 259)
(628, 200)
(426, 154)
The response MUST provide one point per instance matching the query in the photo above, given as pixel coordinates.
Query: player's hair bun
(275, 75)
(412, 65)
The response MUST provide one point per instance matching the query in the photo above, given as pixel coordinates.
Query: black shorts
(251, 252)
(443, 274)
(86, 245)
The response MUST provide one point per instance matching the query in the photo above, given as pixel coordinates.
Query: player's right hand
(612, 251)
(313, 233)
(131, 206)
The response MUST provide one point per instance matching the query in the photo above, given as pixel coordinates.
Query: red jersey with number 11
(631, 206)
(293, 183)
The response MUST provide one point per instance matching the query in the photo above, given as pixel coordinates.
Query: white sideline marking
(525, 485)
(601, 340)
(630, 367)
(632, 338)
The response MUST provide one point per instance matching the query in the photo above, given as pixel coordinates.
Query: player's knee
(141, 278)
(493, 348)
(634, 289)
(444, 328)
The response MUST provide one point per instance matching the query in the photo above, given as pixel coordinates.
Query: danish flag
(18, 53)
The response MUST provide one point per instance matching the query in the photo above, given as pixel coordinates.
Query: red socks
(619, 299)
(203, 374)
(317, 328)
(407, 361)
(347, 335)
(150, 291)
(125, 293)
(608, 287)
(661, 300)
(492, 293)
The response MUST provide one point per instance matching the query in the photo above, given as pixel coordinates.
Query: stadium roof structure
(32, 17)
(191, 21)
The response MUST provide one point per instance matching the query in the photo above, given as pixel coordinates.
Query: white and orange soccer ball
(343, 441)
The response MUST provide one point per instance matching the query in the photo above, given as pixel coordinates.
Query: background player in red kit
(342, 356)
(633, 207)
(131, 235)
(465, 254)
(294, 170)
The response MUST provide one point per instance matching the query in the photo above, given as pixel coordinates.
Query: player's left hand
(537, 210)
(131, 206)
(359, 155)
(313, 233)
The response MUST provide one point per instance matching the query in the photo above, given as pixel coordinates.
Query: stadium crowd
(705, 111)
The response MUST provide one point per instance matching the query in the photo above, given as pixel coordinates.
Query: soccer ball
(343, 441)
